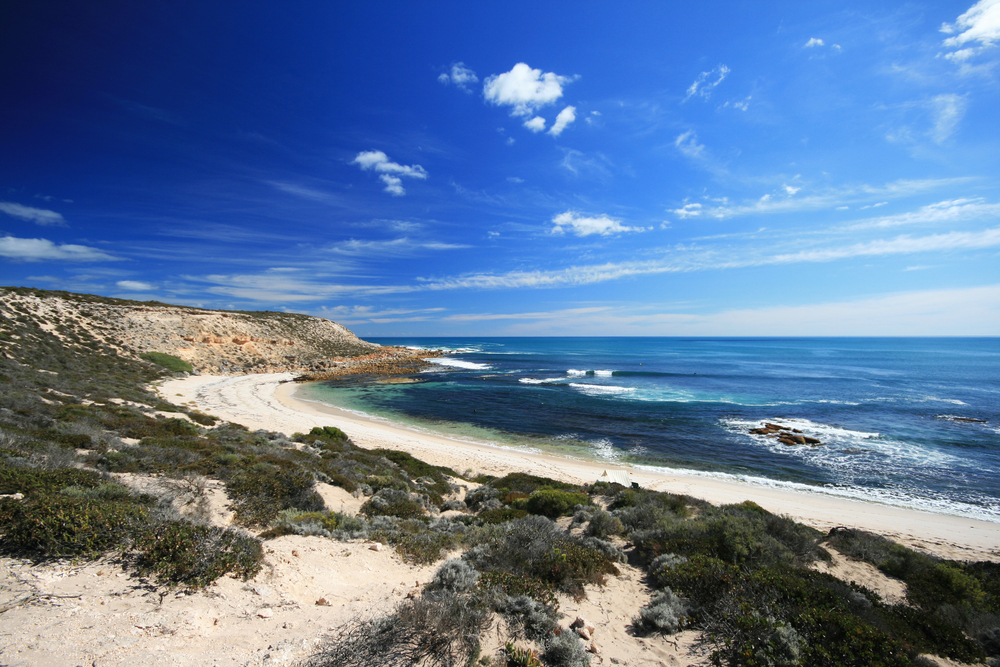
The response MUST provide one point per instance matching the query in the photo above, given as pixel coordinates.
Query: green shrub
(518, 585)
(183, 553)
(393, 502)
(553, 503)
(259, 494)
(203, 419)
(168, 361)
(34, 481)
(65, 526)
(502, 515)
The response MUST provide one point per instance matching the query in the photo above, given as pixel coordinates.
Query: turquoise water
(912, 422)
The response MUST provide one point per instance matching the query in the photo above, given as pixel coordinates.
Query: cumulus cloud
(460, 75)
(37, 250)
(390, 172)
(565, 117)
(948, 111)
(813, 42)
(524, 89)
(584, 226)
(135, 286)
(39, 216)
(974, 31)
(536, 124)
(706, 83)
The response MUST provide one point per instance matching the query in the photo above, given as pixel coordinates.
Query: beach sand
(268, 401)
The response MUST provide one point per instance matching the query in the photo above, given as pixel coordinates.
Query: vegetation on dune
(168, 361)
(73, 412)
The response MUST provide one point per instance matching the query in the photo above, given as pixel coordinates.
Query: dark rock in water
(785, 435)
(962, 420)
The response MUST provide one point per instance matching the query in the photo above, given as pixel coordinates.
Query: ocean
(913, 422)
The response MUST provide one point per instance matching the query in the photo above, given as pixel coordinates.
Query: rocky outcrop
(212, 341)
(785, 435)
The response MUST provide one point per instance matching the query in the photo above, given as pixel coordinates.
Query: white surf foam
(457, 363)
(575, 373)
(604, 374)
(600, 389)
(539, 381)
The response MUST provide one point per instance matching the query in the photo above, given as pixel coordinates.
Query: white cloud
(393, 185)
(300, 191)
(390, 171)
(830, 198)
(790, 189)
(813, 42)
(36, 250)
(460, 75)
(687, 211)
(399, 246)
(135, 286)
(584, 226)
(979, 25)
(706, 83)
(948, 111)
(565, 117)
(524, 89)
(742, 105)
(687, 143)
(514, 179)
(38, 216)
(952, 210)
(536, 124)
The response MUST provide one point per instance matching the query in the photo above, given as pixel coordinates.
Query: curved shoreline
(267, 401)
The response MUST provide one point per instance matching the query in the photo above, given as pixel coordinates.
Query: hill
(211, 341)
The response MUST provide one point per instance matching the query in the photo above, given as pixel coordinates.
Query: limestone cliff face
(212, 341)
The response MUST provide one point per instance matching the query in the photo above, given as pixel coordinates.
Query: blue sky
(646, 168)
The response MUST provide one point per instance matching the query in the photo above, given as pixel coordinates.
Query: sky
(513, 169)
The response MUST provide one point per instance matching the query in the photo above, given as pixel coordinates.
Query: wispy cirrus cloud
(301, 191)
(135, 286)
(371, 315)
(951, 210)
(390, 172)
(39, 216)
(399, 246)
(38, 250)
(706, 83)
(831, 198)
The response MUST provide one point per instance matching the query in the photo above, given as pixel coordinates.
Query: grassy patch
(168, 361)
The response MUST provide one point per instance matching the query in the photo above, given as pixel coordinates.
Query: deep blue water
(885, 408)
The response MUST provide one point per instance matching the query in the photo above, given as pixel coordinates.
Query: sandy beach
(268, 401)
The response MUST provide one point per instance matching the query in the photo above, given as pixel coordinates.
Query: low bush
(454, 576)
(665, 613)
(260, 493)
(183, 553)
(439, 630)
(392, 502)
(502, 515)
(566, 650)
(553, 503)
(603, 524)
(65, 526)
